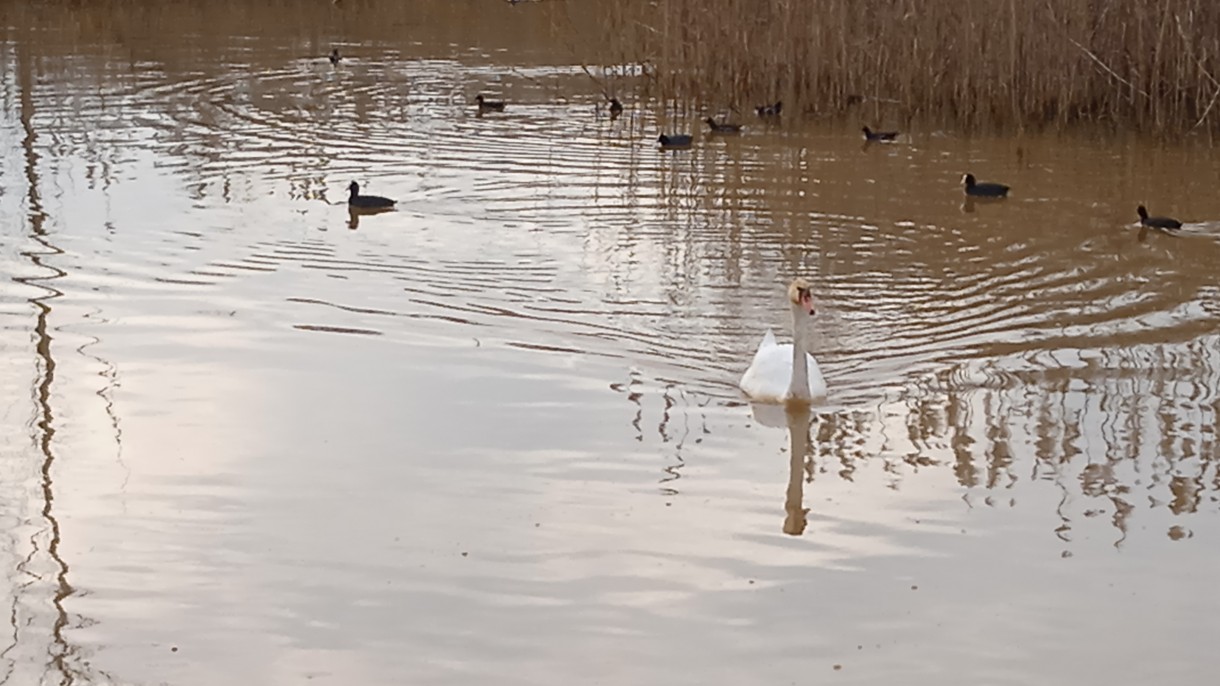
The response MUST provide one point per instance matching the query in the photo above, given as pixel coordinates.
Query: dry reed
(1149, 65)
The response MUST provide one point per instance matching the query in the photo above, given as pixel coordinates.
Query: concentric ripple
(495, 434)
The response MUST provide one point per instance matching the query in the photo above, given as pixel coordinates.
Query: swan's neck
(799, 388)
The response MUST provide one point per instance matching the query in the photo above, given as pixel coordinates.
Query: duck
(334, 56)
(786, 372)
(489, 105)
(1157, 222)
(770, 110)
(354, 199)
(674, 142)
(616, 108)
(723, 128)
(984, 190)
(870, 135)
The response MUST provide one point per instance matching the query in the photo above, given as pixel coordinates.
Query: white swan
(780, 373)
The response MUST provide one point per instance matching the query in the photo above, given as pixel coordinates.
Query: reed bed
(1149, 65)
(1146, 65)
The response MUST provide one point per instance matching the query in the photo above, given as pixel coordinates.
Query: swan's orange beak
(807, 303)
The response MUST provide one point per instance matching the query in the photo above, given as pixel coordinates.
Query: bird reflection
(1145, 232)
(970, 202)
(796, 516)
(798, 418)
(354, 214)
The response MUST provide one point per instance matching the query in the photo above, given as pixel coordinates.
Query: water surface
(496, 436)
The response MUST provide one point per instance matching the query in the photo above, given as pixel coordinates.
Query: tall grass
(1140, 64)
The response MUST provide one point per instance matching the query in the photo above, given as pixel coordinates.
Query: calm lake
(495, 436)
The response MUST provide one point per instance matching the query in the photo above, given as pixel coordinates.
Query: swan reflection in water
(796, 516)
(781, 382)
(797, 417)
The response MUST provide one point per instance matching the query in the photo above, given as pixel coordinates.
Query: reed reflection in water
(495, 434)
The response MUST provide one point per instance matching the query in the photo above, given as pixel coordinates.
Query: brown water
(495, 436)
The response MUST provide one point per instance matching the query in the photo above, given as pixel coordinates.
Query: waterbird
(984, 190)
(334, 56)
(783, 372)
(871, 135)
(1157, 222)
(674, 142)
(770, 110)
(616, 108)
(723, 128)
(489, 105)
(354, 199)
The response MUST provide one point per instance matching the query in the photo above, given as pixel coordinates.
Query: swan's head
(801, 295)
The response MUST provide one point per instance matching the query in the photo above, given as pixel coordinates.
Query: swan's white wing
(817, 383)
(767, 343)
(768, 340)
(770, 373)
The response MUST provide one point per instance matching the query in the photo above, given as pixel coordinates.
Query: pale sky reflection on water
(495, 435)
